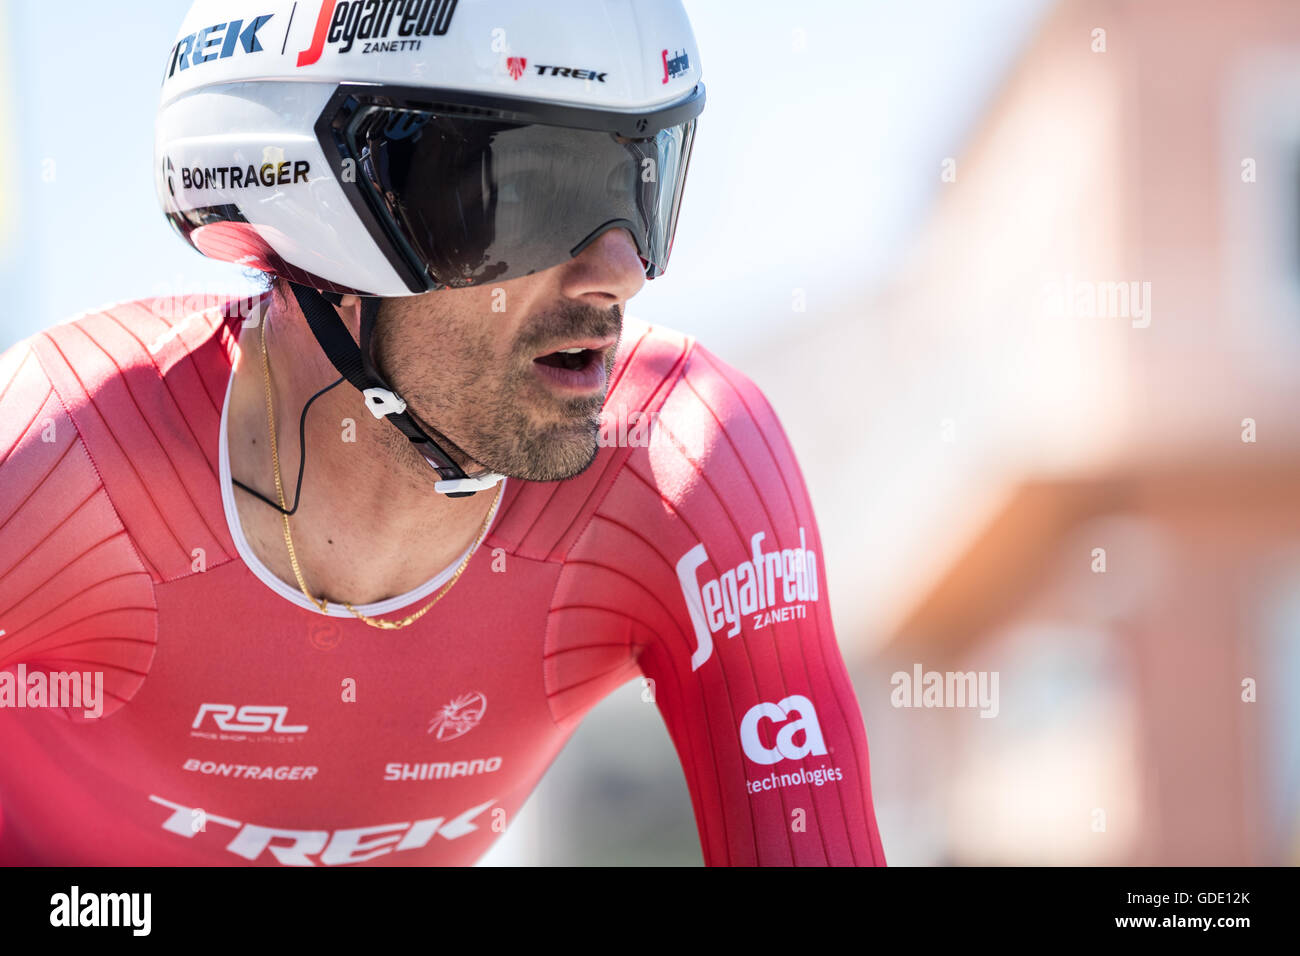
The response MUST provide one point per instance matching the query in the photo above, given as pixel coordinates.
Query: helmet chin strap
(355, 365)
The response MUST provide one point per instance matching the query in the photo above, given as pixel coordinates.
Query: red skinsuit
(226, 737)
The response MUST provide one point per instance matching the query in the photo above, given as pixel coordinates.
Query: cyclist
(354, 557)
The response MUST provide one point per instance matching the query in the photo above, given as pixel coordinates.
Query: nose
(609, 271)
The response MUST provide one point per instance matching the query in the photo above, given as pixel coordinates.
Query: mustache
(574, 321)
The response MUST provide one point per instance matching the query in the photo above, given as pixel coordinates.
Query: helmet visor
(464, 193)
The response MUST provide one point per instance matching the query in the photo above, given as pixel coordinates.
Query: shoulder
(693, 456)
(677, 422)
(126, 399)
(710, 445)
(91, 357)
(72, 581)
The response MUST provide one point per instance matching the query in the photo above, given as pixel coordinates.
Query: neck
(369, 525)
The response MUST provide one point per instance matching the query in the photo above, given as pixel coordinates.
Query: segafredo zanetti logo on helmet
(675, 65)
(375, 23)
(768, 587)
(217, 42)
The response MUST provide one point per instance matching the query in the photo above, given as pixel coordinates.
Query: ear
(349, 310)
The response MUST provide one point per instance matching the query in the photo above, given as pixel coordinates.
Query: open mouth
(578, 367)
(573, 360)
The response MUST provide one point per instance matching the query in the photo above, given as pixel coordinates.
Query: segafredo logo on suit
(767, 589)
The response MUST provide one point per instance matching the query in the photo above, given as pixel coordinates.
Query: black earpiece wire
(302, 456)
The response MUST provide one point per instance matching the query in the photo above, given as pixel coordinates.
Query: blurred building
(1062, 447)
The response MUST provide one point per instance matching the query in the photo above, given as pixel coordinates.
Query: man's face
(485, 366)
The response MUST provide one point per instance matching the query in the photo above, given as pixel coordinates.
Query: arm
(750, 682)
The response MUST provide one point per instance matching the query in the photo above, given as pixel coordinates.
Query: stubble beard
(495, 423)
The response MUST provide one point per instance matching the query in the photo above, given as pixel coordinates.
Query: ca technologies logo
(216, 42)
(783, 712)
(752, 587)
(347, 21)
(792, 715)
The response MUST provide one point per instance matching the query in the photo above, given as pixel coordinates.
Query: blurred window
(1279, 638)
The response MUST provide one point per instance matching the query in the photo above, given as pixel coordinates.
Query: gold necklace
(322, 604)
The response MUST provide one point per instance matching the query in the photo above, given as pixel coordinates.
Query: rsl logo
(238, 723)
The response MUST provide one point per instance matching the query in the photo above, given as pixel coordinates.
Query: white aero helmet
(396, 147)
(393, 147)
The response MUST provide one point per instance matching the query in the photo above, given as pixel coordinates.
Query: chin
(557, 453)
(566, 463)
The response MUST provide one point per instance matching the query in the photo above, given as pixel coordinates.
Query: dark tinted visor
(471, 192)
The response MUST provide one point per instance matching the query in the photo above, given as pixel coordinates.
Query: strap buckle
(383, 402)
(468, 486)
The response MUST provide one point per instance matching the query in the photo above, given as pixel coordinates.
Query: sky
(816, 159)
